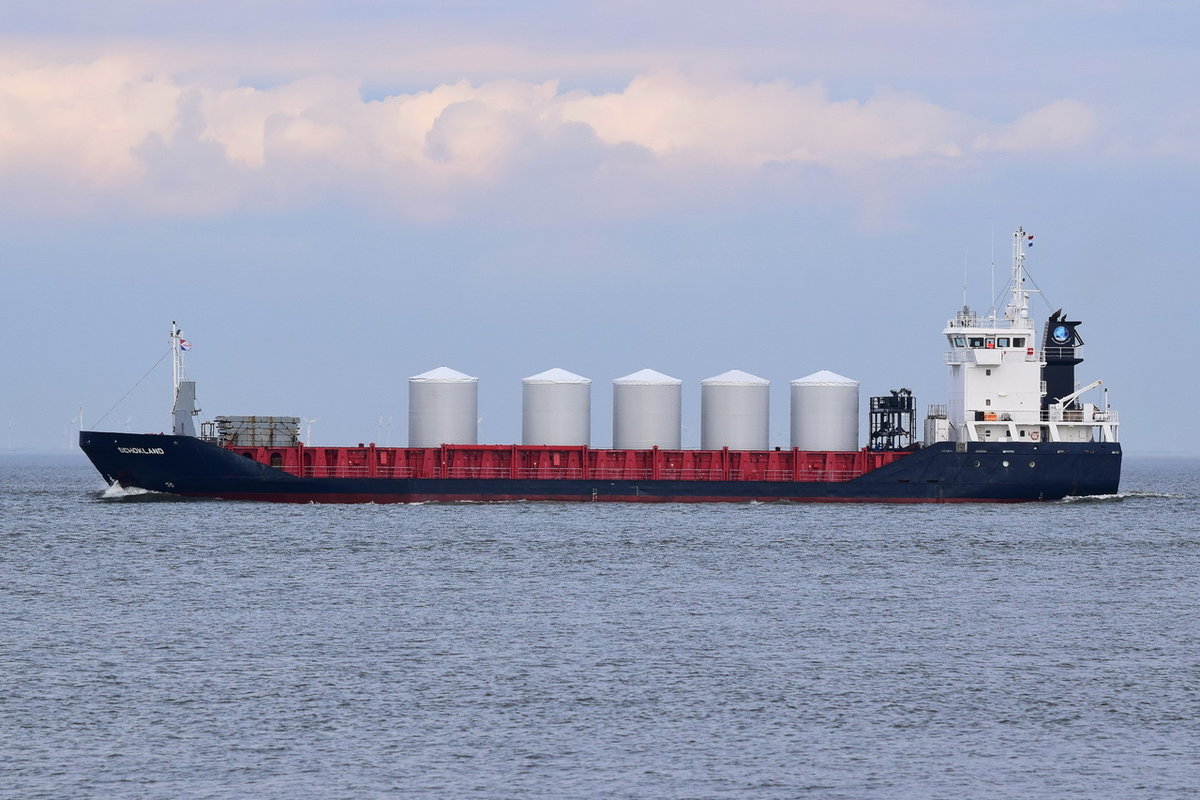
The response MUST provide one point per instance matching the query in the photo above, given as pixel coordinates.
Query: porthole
(1004, 463)
(975, 463)
(1032, 464)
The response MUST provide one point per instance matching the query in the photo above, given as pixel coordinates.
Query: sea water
(160, 648)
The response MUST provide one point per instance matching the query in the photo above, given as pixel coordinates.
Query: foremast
(998, 381)
(183, 391)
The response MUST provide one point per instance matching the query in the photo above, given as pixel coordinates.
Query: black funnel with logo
(1059, 340)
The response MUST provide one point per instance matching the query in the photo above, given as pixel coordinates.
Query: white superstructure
(997, 386)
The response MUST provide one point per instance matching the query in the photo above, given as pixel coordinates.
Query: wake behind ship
(1015, 429)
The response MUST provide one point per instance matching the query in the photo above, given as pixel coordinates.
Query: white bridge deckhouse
(1003, 388)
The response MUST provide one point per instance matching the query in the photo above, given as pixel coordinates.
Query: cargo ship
(1016, 428)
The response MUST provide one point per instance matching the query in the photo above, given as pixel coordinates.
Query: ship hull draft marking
(1016, 428)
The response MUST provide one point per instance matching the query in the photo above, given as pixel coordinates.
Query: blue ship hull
(942, 473)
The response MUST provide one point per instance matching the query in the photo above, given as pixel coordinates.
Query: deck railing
(350, 471)
(478, 472)
(1095, 417)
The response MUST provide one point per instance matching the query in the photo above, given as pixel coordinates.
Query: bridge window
(1002, 341)
(1019, 341)
(960, 341)
(976, 341)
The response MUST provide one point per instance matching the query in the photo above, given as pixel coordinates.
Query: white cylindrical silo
(734, 411)
(443, 408)
(556, 409)
(646, 411)
(825, 412)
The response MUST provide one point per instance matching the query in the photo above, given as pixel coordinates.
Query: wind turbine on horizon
(71, 438)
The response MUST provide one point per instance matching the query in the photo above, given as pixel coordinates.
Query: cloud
(112, 128)
(82, 122)
(1061, 124)
(755, 124)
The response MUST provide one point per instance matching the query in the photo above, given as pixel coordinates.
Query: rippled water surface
(163, 648)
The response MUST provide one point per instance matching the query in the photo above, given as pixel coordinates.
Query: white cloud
(112, 126)
(1061, 124)
(754, 124)
(308, 114)
(82, 121)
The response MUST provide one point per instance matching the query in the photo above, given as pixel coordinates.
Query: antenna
(992, 310)
(966, 261)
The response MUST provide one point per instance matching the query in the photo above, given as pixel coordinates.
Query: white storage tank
(443, 408)
(734, 411)
(646, 411)
(556, 409)
(825, 412)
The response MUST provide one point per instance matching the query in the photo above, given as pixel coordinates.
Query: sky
(331, 197)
